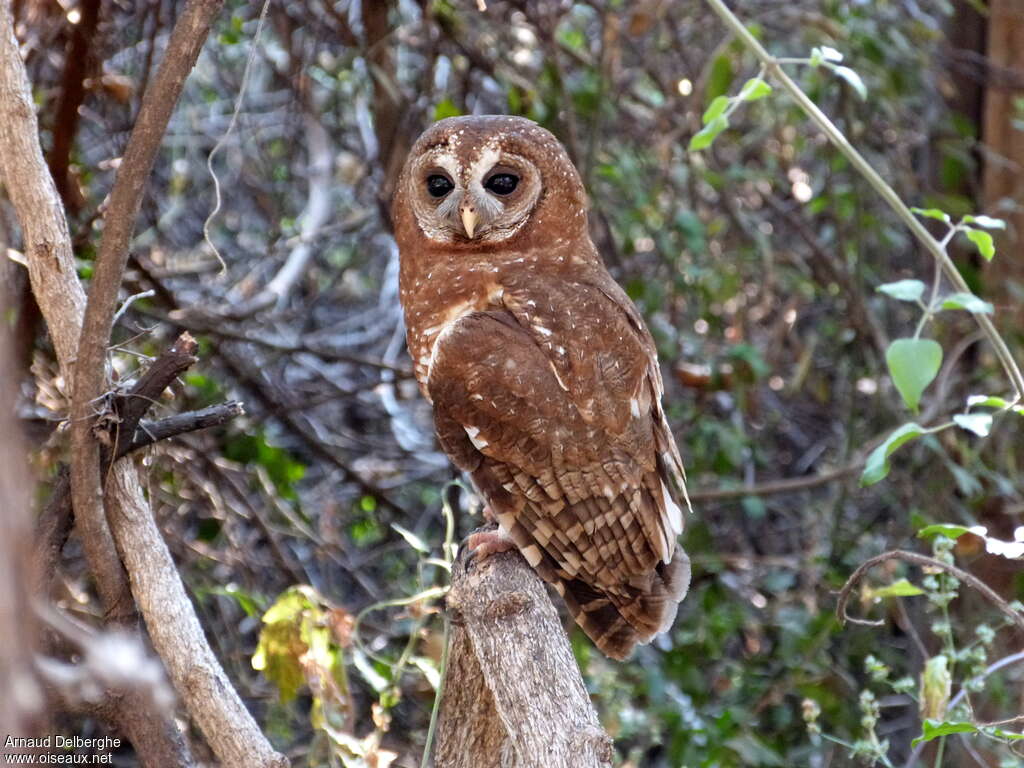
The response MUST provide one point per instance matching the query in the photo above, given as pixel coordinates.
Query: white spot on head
(634, 407)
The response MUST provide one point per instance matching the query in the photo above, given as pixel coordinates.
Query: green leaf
(932, 213)
(716, 108)
(877, 465)
(755, 88)
(967, 301)
(446, 108)
(948, 530)
(978, 423)
(901, 588)
(913, 364)
(853, 79)
(933, 729)
(707, 134)
(414, 541)
(982, 241)
(720, 78)
(986, 401)
(985, 221)
(904, 290)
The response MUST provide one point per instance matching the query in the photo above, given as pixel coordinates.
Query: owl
(543, 378)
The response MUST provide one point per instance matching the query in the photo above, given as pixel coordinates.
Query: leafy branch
(913, 362)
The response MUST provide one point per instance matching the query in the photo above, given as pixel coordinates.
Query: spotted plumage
(543, 377)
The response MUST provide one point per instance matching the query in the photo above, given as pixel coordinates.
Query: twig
(56, 519)
(928, 562)
(787, 485)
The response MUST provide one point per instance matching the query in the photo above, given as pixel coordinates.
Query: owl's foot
(481, 544)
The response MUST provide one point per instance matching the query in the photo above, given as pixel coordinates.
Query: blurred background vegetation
(755, 263)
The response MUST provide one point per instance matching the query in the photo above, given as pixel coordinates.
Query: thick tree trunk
(514, 697)
(1004, 162)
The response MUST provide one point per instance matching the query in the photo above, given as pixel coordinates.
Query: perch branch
(513, 696)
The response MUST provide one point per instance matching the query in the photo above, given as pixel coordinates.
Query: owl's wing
(556, 416)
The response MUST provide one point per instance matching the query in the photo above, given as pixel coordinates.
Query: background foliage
(755, 262)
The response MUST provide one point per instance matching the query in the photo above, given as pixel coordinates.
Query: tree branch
(513, 697)
(177, 636)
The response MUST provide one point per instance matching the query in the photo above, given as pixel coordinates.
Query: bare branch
(927, 562)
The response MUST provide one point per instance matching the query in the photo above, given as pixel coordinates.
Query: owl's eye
(502, 183)
(438, 185)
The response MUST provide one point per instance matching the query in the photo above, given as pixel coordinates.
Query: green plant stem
(771, 64)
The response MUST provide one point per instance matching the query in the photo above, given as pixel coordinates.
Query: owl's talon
(481, 544)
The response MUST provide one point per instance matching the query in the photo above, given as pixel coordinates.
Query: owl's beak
(469, 221)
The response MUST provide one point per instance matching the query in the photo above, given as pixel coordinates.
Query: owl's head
(487, 179)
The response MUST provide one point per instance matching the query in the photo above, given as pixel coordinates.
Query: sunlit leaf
(936, 686)
(987, 222)
(715, 109)
(755, 88)
(414, 541)
(901, 588)
(986, 401)
(978, 423)
(707, 134)
(932, 213)
(967, 301)
(830, 54)
(853, 79)
(982, 241)
(877, 465)
(904, 290)
(943, 529)
(913, 364)
(933, 729)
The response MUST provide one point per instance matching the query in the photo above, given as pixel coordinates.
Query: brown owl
(543, 377)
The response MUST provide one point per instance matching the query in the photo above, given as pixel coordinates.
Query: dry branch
(513, 697)
(1015, 617)
(212, 702)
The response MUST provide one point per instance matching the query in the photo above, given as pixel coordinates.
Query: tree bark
(514, 697)
(177, 636)
(1004, 163)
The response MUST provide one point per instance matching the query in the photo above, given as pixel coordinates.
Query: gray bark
(514, 697)
(211, 700)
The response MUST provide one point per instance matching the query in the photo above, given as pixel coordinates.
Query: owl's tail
(633, 614)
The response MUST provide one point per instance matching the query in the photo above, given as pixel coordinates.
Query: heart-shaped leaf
(913, 364)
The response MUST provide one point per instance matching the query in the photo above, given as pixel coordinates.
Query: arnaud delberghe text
(56, 741)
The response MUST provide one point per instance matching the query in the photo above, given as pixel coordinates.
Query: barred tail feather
(618, 621)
